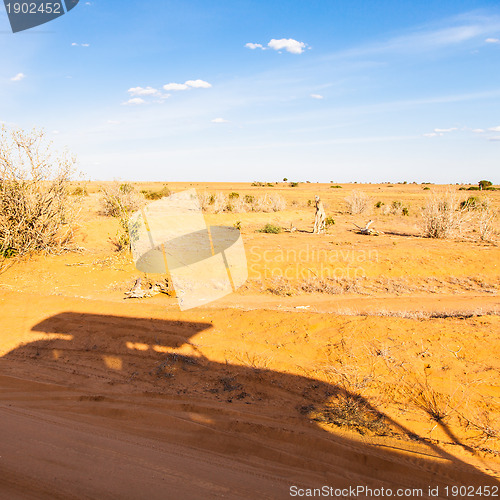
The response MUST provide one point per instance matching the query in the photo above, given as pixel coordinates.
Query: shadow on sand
(246, 410)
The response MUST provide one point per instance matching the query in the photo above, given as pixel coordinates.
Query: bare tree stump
(319, 217)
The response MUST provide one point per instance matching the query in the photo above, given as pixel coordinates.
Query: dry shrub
(395, 208)
(319, 285)
(481, 421)
(119, 200)
(36, 213)
(205, 201)
(280, 286)
(421, 394)
(485, 219)
(269, 203)
(352, 411)
(442, 216)
(357, 202)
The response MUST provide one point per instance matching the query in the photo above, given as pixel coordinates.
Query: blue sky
(260, 90)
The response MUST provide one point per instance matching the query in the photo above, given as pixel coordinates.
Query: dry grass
(396, 286)
(220, 202)
(481, 421)
(36, 213)
(280, 286)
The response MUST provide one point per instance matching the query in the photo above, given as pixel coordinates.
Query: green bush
(474, 203)
(485, 184)
(233, 195)
(156, 195)
(80, 191)
(329, 221)
(294, 184)
(379, 204)
(270, 228)
(126, 188)
(336, 187)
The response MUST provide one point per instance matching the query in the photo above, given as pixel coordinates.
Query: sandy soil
(389, 379)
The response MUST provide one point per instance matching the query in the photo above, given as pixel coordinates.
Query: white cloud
(74, 44)
(495, 129)
(254, 46)
(495, 138)
(492, 40)
(433, 134)
(18, 77)
(113, 122)
(85, 44)
(441, 130)
(142, 91)
(197, 84)
(317, 96)
(134, 101)
(478, 130)
(175, 86)
(288, 44)
(219, 120)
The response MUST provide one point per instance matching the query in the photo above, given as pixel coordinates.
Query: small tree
(484, 184)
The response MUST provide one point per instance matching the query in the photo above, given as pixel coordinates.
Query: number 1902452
(34, 8)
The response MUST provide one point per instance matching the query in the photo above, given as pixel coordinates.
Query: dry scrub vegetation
(36, 213)
(357, 202)
(369, 286)
(410, 379)
(220, 202)
(117, 199)
(445, 215)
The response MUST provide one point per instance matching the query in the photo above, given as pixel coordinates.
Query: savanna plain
(348, 358)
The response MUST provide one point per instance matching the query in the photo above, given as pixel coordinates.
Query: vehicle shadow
(256, 412)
